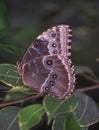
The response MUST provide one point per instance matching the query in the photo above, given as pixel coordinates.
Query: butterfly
(46, 66)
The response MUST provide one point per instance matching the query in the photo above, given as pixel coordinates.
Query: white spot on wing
(36, 49)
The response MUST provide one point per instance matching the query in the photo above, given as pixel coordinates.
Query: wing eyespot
(54, 45)
(49, 62)
(51, 82)
(53, 35)
(54, 76)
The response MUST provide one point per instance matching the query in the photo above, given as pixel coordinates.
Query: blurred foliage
(3, 18)
(26, 19)
(21, 21)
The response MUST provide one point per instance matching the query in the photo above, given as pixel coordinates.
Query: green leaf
(13, 96)
(87, 111)
(54, 106)
(9, 75)
(66, 122)
(84, 128)
(30, 116)
(9, 118)
(59, 122)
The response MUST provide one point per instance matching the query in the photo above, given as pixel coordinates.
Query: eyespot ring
(48, 62)
(53, 34)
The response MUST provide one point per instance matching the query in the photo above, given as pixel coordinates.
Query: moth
(46, 66)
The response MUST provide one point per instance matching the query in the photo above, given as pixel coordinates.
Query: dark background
(23, 20)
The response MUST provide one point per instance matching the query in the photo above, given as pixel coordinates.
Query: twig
(91, 79)
(87, 88)
(90, 87)
(21, 100)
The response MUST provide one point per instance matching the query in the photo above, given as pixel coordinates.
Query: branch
(22, 100)
(90, 87)
(87, 88)
(90, 78)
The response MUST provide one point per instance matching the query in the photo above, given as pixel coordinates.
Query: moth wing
(50, 75)
(56, 40)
